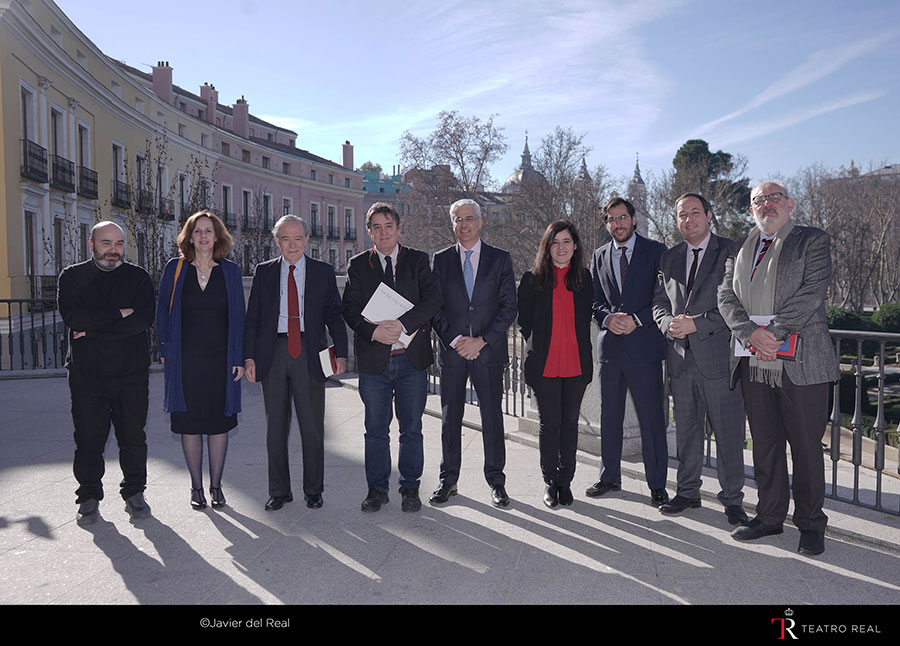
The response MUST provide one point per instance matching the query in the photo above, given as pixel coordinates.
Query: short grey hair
(466, 202)
(290, 218)
(776, 183)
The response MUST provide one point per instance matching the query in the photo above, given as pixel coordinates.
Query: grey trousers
(289, 379)
(697, 398)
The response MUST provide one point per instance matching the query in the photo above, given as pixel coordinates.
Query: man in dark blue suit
(292, 300)
(630, 349)
(478, 289)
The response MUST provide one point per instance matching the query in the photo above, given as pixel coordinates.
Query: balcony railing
(349, 234)
(229, 219)
(63, 176)
(334, 233)
(166, 208)
(315, 230)
(34, 161)
(146, 203)
(87, 183)
(121, 194)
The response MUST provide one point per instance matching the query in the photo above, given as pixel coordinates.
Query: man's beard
(108, 264)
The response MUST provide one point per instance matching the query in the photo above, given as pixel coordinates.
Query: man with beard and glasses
(779, 275)
(108, 305)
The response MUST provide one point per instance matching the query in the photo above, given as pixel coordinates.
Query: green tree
(719, 177)
(370, 167)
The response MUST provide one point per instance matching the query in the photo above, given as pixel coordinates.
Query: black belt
(284, 335)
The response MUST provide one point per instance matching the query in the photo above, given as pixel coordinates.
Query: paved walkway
(615, 550)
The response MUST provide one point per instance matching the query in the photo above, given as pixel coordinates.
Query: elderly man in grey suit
(779, 274)
(686, 309)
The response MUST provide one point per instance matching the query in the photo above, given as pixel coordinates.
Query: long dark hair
(542, 269)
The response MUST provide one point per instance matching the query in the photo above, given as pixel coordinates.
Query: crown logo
(788, 613)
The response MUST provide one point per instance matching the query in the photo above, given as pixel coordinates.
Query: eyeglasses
(774, 198)
(611, 218)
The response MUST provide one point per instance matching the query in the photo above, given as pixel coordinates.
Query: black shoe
(736, 515)
(498, 496)
(755, 530)
(410, 499)
(88, 512)
(198, 500)
(598, 489)
(314, 502)
(375, 499)
(277, 502)
(442, 494)
(137, 507)
(678, 504)
(565, 495)
(659, 497)
(217, 497)
(812, 543)
(551, 495)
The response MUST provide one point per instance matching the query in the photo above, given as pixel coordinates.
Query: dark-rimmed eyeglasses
(774, 198)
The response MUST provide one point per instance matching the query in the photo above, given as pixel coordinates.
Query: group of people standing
(718, 311)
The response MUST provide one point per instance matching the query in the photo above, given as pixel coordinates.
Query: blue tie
(469, 274)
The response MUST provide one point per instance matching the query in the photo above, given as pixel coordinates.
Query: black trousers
(96, 402)
(488, 384)
(559, 405)
(289, 379)
(796, 415)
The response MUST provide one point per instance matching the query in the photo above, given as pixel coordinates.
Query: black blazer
(536, 323)
(490, 312)
(413, 281)
(321, 309)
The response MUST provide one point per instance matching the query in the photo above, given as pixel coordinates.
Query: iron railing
(34, 161)
(63, 176)
(32, 334)
(87, 183)
(121, 194)
(315, 230)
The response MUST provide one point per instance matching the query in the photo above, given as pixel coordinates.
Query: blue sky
(785, 83)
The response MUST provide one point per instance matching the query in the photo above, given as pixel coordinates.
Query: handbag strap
(175, 282)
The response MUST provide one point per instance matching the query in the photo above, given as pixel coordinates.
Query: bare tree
(450, 163)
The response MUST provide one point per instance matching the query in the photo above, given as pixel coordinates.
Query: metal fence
(33, 336)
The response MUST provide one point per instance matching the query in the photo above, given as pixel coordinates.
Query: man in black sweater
(108, 306)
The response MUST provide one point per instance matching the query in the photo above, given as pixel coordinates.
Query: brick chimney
(348, 155)
(210, 94)
(240, 122)
(162, 81)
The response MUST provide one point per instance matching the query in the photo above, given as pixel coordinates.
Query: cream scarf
(758, 295)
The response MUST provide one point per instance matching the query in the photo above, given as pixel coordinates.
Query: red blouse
(562, 355)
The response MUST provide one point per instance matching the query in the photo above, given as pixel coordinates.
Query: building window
(182, 106)
(332, 257)
(182, 130)
(59, 249)
(139, 104)
(82, 59)
(57, 142)
(226, 205)
(245, 156)
(348, 221)
(118, 161)
(267, 210)
(204, 140)
(312, 174)
(330, 178)
(199, 113)
(347, 182)
(182, 195)
(287, 206)
(116, 88)
(27, 115)
(285, 168)
(84, 233)
(315, 253)
(29, 242)
(265, 162)
(270, 136)
(226, 149)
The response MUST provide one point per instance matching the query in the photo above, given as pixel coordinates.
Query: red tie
(293, 315)
(762, 252)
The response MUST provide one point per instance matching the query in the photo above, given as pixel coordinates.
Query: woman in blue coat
(199, 324)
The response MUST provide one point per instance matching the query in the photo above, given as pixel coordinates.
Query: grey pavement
(612, 550)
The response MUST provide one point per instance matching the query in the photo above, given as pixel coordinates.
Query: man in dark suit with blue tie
(478, 290)
(630, 349)
(292, 300)
(391, 372)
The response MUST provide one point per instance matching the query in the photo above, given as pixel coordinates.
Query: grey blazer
(710, 344)
(804, 274)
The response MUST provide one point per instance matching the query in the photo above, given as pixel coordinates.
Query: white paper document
(388, 305)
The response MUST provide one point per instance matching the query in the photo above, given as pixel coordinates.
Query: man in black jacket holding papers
(389, 368)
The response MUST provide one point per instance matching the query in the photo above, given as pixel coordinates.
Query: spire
(637, 179)
(526, 154)
(583, 174)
